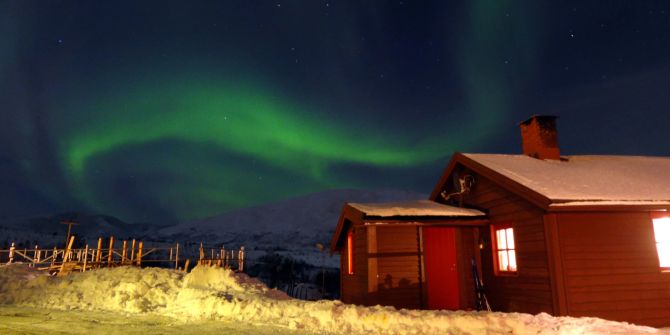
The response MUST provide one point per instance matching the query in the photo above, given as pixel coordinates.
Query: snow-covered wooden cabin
(566, 235)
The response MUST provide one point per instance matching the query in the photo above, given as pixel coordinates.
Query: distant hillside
(47, 230)
(293, 225)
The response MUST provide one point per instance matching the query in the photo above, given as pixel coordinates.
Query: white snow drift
(217, 294)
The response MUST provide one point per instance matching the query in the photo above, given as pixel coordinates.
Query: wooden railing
(111, 254)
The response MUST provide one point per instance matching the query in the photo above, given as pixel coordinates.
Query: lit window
(350, 252)
(505, 251)
(662, 236)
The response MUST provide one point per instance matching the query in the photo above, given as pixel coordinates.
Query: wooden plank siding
(611, 269)
(530, 289)
(354, 287)
(466, 246)
(398, 267)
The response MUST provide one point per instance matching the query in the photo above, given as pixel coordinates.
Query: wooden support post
(66, 255)
(202, 252)
(176, 257)
(170, 254)
(132, 253)
(212, 253)
(139, 254)
(186, 265)
(98, 253)
(85, 258)
(11, 253)
(111, 251)
(240, 260)
(123, 252)
(39, 254)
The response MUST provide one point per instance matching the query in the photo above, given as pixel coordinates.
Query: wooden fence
(115, 253)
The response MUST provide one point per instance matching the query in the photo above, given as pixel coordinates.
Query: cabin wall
(398, 270)
(610, 267)
(467, 248)
(530, 289)
(354, 287)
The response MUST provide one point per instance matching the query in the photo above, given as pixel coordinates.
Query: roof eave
(609, 208)
(505, 182)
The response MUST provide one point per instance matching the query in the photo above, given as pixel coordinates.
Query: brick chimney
(539, 138)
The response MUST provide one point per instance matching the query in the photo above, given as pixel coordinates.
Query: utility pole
(69, 224)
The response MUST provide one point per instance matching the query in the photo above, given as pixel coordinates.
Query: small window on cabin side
(662, 236)
(350, 252)
(505, 250)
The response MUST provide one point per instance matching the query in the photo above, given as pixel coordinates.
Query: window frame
(495, 249)
(655, 216)
(350, 252)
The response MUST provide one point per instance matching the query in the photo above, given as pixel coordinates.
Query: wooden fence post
(176, 257)
(139, 255)
(36, 257)
(83, 269)
(202, 254)
(54, 254)
(225, 258)
(98, 253)
(11, 253)
(186, 265)
(240, 260)
(111, 251)
(123, 252)
(68, 250)
(132, 253)
(222, 256)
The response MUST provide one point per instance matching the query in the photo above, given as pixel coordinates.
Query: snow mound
(209, 293)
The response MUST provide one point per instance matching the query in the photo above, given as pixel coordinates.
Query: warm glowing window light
(662, 236)
(350, 252)
(505, 250)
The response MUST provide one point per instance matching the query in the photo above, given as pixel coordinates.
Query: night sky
(168, 111)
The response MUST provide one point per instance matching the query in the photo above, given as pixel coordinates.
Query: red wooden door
(439, 245)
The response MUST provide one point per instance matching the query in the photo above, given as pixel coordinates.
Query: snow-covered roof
(611, 180)
(414, 208)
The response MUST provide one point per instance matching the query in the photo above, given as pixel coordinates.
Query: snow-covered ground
(208, 300)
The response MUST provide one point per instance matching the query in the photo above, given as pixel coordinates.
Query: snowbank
(217, 294)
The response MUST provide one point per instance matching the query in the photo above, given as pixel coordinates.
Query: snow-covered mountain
(292, 226)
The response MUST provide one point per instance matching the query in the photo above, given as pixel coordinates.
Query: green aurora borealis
(169, 111)
(204, 136)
